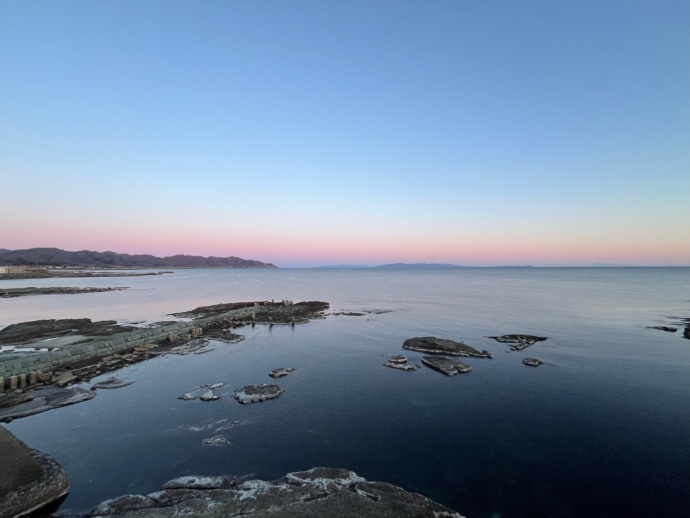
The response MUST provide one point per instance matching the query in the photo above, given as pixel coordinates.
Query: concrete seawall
(21, 369)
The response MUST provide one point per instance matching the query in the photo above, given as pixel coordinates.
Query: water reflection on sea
(601, 429)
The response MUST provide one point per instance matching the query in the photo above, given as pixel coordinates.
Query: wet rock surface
(318, 492)
(519, 342)
(433, 345)
(29, 479)
(447, 366)
(26, 332)
(258, 393)
(111, 383)
(532, 362)
(281, 372)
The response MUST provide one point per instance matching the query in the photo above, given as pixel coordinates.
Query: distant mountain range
(416, 265)
(87, 258)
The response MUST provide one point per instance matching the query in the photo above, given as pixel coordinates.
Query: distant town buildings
(13, 269)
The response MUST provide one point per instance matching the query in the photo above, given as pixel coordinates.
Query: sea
(601, 429)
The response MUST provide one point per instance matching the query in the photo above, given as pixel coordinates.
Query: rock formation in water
(519, 342)
(532, 362)
(318, 492)
(433, 345)
(446, 365)
(258, 393)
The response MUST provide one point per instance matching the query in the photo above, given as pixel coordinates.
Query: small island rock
(433, 345)
(532, 362)
(258, 393)
(281, 372)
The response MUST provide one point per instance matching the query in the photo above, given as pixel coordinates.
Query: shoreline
(10, 293)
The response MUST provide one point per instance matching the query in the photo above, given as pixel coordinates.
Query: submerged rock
(258, 393)
(218, 440)
(111, 383)
(520, 341)
(433, 345)
(446, 365)
(663, 328)
(331, 492)
(398, 361)
(532, 362)
(279, 373)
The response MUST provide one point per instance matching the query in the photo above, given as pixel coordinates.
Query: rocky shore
(85, 349)
(9, 293)
(29, 480)
(317, 492)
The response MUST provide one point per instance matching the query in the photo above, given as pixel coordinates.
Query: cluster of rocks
(398, 361)
(440, 348)
(320, 491)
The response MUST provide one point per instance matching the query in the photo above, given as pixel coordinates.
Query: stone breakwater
(21, 372)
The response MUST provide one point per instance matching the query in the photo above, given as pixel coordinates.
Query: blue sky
(306, 133)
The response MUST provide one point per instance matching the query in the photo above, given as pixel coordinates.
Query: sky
(365, 132)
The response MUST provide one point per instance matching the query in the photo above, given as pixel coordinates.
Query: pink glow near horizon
(312, 251)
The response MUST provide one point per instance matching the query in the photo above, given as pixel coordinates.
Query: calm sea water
(601, 429)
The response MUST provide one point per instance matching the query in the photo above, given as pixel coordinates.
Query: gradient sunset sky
(308, 133)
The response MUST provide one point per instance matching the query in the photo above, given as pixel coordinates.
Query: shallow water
(601, 429)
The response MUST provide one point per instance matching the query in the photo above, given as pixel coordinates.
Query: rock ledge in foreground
(332, 492)
(433, 345)
(30, 480)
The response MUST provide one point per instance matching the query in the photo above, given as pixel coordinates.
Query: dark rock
(520, 341)
(318, 492)
(264, 312)
(29, 479)
(258, 393)
(280, 373)
(686, 333)
(433, 345)
(532, 362)
(111, 383)
(348, 314)
(663, 328)
(446, 365)
(398, 358)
